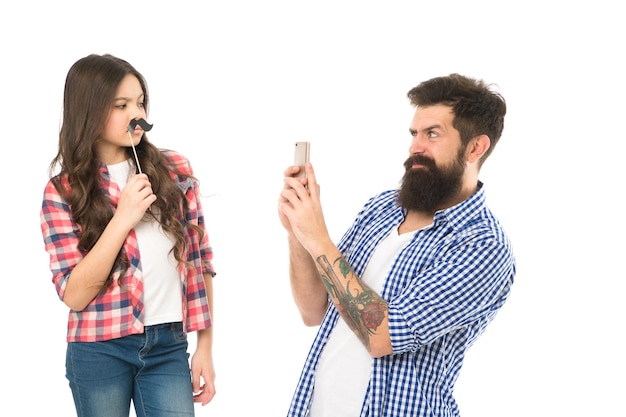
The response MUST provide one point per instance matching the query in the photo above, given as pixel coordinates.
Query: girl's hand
(135, 199)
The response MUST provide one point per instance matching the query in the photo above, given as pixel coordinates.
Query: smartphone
(301, 156)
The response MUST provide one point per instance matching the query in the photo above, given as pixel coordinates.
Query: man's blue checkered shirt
(443, 289)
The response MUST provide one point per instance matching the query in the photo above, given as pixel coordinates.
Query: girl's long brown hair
(90, 89)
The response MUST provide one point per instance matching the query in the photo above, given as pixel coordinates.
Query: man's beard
(427, 188)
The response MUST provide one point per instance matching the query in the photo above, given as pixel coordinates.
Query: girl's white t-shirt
(162, 296)
(344, 367)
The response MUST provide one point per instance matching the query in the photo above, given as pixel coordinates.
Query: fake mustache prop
(131, 128)
(141, 122)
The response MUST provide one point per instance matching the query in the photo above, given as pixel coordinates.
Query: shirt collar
(457, 215)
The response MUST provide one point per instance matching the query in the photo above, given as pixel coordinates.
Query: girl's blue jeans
(149, 369)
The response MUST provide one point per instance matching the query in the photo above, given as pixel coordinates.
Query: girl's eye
(141, 105)
(121, 106)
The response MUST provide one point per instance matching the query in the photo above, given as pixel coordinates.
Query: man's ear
(477, 148)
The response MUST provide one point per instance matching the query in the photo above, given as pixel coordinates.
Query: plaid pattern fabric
(443, 288)
(119, 311)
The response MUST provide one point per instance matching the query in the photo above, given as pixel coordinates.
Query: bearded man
(417, 277)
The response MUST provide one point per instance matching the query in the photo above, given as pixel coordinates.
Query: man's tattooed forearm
(361, 308)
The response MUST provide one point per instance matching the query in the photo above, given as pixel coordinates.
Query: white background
(234, 83)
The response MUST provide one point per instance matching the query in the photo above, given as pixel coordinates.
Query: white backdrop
(234, 83)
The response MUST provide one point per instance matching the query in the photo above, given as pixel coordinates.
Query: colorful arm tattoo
(361, 308)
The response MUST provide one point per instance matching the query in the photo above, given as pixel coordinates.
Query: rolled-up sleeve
(61, 236)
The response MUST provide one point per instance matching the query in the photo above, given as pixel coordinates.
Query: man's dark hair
(477, 108)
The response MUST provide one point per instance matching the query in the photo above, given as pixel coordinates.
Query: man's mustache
(141, 122)
(420, 160)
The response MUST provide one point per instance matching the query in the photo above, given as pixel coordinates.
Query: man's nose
(418, 144)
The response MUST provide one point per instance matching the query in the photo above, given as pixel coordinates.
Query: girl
(129, 252)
